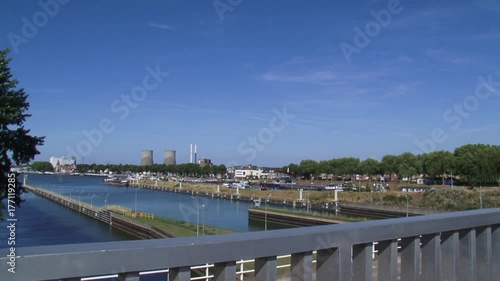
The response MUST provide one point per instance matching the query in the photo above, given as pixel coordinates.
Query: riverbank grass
(176, 228)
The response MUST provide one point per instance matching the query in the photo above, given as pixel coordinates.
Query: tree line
(474, 164)
(187, 169)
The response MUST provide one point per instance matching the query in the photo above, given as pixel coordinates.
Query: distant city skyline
(263, 83)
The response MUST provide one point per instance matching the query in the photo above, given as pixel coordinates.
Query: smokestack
(169, 157)
(190, 153)
(147, 158)
(195, 154)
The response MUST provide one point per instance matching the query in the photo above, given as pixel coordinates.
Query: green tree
(308, 168)
(474, 163)
(16, 145)
(370, 167)
(347, 166)
(495, 160)
(438, 163)
(407, 165)
(221, 169)
(292, 168)
(324, 167)
(42, 166)
(206, 170)
(389, 164)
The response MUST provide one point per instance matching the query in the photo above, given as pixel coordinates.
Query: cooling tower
(147, 158)
(169, 157)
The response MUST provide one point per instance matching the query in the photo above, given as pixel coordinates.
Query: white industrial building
(60, 163)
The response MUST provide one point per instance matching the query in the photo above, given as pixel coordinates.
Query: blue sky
(234, 71)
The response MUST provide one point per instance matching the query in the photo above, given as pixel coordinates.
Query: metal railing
(449, 246)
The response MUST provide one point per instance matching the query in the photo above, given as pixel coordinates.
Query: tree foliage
(42, 166)
(188, 169)
(475, 164)
(370, 167)
(390, 163)
(438, 163)
(16, 145)
(408, 165)
(308, 168)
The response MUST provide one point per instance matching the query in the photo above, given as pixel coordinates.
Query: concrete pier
(289, 219)
(125, 224)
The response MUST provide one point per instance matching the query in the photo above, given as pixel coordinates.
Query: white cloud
(403, 58)
(474, 131)
(492, 35)
(490, 5)
(447, 56)
(312, 77)
(161, 26)
(402, 89)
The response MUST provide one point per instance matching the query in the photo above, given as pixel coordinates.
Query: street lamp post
(480, 197)
(451, 175)
(106, 201)
(265, 213)
(79, 200)
(406, 205)
(135, 208)
(197, 216)
(203, 219)
(71, 191)
(91, 199)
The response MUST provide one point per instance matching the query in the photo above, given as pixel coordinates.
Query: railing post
(410, 259)
(179, 274)
(327, 264)
(388, 260)
(301, 267)
(207, 272)
(431, 257)
(242, 268)
(495, 248)
(362, 266)
(467, 253)
(225, 271)
(449, 255)
(483, 253)
(130, 276)
(265, 269)
(334, 264)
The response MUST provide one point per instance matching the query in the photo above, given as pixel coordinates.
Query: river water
(42, 222)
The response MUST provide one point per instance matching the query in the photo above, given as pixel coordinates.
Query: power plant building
(62, 161)
(205, 162)
(147, 158)
(169, 157)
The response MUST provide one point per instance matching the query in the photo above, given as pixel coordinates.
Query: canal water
(42, 222)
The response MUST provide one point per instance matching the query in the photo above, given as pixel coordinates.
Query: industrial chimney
(147, 158)
(169, 157)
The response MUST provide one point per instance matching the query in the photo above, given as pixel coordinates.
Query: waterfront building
(63, 164)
